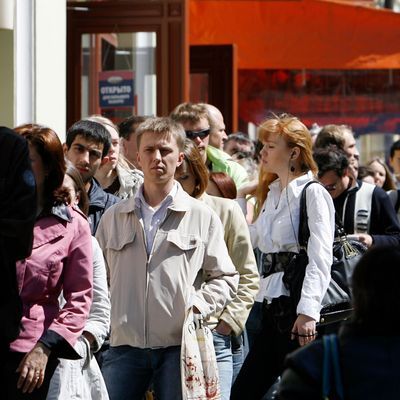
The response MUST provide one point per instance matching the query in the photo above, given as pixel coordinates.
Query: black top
(384, 225)
(369, 367)
(99, 201)
(17, 217)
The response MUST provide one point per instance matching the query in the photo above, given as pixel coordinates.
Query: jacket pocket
(184, 242)
(117, 243)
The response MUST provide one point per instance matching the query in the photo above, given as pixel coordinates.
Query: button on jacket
(188, 265)
(61, 259)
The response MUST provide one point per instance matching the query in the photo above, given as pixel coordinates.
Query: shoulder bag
(336, 304)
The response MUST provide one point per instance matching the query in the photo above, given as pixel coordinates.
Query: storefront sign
(116, 89)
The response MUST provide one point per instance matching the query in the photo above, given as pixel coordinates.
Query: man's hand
(223, 328)
(365, 239)
(247, 189)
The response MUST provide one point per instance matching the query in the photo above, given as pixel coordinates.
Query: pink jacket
(61, 259)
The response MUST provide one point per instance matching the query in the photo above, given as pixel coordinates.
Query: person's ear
(181, 157)
(65, 148)
(105, 160)
(294, 153)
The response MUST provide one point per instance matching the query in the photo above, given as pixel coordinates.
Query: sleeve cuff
(200, 304)
(59, 347)
(98, 338)
(309, 307)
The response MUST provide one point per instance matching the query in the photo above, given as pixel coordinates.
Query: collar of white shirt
(295, 187)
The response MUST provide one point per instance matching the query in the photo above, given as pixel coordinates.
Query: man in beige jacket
(165, 252)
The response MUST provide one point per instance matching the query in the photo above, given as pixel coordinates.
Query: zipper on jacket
(146, 328)
(146, 304)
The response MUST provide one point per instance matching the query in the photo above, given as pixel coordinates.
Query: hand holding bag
(199, 371)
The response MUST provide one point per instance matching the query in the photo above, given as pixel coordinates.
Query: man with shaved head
(218, 135)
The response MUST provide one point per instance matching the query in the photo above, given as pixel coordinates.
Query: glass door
(118, 74)
(126, 58)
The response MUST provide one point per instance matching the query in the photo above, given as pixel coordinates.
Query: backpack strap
(362, 208)
(331, 372)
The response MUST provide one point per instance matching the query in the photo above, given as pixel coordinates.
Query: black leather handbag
(336, 304)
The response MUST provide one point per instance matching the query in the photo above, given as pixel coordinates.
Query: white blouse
(276, 230)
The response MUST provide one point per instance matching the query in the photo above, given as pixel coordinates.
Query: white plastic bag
(199, 370)
(78, 379)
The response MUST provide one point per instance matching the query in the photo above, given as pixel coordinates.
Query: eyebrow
(162, 147)
(82, 146)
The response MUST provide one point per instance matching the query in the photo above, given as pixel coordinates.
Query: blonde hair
(162, 126)
(103, 121)
(295, 134)
(190, 112)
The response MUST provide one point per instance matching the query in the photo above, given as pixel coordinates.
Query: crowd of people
(108, 239)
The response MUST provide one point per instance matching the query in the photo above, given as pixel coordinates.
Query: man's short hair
(91, 131)
(162, 126)
(190, 112)
(395, 146)
(240, 137)
(332, 135)
(129, 125)
(331, 159)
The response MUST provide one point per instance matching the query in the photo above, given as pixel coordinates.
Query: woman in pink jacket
(61, 259)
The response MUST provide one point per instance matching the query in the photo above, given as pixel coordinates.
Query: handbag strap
(304, 230)
(331, 368)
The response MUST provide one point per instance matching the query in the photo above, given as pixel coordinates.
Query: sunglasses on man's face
(201, 134)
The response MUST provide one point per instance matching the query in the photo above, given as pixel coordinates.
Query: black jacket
(384, 225)
(369, 367)
(99, 201)
(17, 217)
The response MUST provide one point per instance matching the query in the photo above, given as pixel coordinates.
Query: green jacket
(222, 162)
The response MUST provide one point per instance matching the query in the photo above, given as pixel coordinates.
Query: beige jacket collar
(180, 202)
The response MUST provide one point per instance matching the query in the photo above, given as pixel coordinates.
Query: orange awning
(300, 34)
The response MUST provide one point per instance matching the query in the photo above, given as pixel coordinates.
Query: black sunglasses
(201, 134)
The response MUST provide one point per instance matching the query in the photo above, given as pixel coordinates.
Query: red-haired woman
(61, 259)
(289, 318)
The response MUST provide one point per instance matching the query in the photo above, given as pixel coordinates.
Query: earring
(292, 168)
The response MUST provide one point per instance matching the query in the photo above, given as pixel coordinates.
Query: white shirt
(276, 230)
(153, 217)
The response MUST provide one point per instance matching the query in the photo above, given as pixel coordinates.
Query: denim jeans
(223, 352)
(129, 372)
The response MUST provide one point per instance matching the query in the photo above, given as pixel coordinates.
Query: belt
(275, 262)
